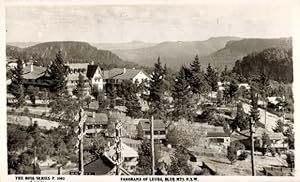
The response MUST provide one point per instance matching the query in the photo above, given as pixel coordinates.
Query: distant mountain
(174, 54)
(22, 44)
(235, 50)
(276, 63)
(72, 52)
(122, 46)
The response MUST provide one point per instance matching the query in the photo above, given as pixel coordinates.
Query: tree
(156, 92)
(279, 127)
(231, 90)
(241, 120)
(181, 95)
(266, 143)
(290, 159)
(16, 87)
(102, 102)
(211, 77)
(144, 160)
(289, 133)
(111, 95)
(32, 92)
(231, 154)
(225, 75)
(180, 163)
(59, 72)
(196, 78)
(80, 87)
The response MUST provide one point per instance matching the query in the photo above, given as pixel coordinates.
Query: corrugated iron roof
(36, 72)
(121, 73)
(100, 118)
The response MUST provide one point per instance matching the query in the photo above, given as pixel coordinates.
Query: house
(96, 123)
(129, 156)
(117, 75)
(37, 76)
(277, 139)
(159, 130)
(133, 143)
(75, 69)
(214, 138)
(95, 75)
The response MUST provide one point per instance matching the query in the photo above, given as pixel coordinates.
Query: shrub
(26, 111)
(243, 156)
(273, 152)
(232, 154)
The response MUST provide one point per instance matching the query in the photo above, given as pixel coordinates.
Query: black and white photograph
(200, 89)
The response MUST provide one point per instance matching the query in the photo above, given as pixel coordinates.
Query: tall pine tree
(212, 78)
(59, 74)
(182, 96)
(197, 81)
(16, 87)
(156, 92)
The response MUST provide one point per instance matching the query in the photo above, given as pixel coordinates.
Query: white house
(95, 76)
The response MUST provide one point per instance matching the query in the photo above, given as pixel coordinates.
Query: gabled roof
(91, 69)
(36, 73)
(120, 74)
(77, 65)
(158, 124)
(100, 166)
(126, 151)
(100, 118)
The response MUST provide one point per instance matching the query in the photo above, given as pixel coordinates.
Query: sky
(148, 23)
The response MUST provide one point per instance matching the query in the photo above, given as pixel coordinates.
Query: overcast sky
(149, 23)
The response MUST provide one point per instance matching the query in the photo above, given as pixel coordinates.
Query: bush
(26, 111)
(273, 152)
(290, 159)
(243, 156)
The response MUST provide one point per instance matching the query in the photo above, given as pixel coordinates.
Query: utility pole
(80, 131)
(252, 130)
(118, 147)
(152, 145)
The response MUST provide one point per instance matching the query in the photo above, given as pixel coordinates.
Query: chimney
(124, 70)
(92, 63)
(31, 67)
(94, 114)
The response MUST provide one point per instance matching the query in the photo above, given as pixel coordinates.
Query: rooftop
(126, 151)
(100, 118)
(121, 73)
(77, 65)
(158, 124)
(36, 72)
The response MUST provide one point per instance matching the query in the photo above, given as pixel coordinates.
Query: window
(162, 132)
(90, 126)
(147, 132)
(220, 140)
(155, 132)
